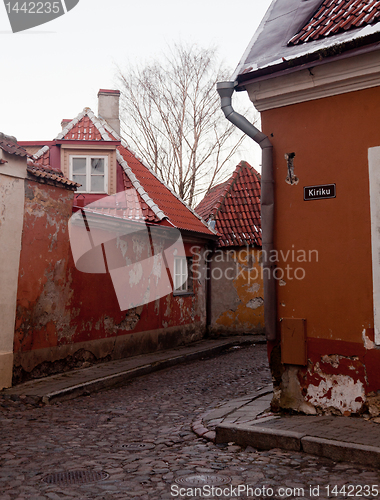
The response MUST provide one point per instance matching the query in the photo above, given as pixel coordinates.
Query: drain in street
(75, 477)
(138, 446)
(203, 479)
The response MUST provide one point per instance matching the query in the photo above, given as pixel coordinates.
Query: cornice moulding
(326, 80)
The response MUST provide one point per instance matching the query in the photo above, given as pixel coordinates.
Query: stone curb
(265, 438)
(341, 451)
(85, 388)
(201, 430)
(261, 438)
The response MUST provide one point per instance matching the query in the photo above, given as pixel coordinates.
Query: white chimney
(108, 107)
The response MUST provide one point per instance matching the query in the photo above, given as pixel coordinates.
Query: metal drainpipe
(225, 90)
(208, 291)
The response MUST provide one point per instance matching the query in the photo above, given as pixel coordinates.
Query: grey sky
(55, 70)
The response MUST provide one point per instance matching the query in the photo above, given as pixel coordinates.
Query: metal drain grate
(75, 477)
(137, 446)
(203, 479)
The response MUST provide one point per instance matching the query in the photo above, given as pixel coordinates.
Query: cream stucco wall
(12, 176)
(374, 184)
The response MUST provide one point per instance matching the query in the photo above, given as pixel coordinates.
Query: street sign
(322, 192)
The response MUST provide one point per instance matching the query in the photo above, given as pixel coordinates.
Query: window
(91, 172)
(183, 282)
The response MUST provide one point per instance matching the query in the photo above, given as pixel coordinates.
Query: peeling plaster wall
(42, 314)
(67, 318)
(237, 304)
(329, 384)
(331, 288)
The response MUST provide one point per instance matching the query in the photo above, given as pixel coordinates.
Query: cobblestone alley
(138, 440)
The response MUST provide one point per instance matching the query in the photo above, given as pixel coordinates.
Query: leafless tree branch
(171, 118)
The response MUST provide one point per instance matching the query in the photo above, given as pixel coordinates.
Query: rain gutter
(225, 90)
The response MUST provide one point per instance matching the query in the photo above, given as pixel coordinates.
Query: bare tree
(171, 118)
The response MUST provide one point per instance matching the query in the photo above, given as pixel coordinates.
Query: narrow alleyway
(95, 433)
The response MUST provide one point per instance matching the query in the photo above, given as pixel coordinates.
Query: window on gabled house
(183, 280)
(91, 172)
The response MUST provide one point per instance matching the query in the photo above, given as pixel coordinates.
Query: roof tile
(235, 205)
(9, 145)
(175, 209)
(156, 200)
(46, 175)
(336, 16)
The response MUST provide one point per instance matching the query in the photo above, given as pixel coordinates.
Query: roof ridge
(95, 120)
(230, 182)
(126, 146)
(220, 201)
(136, 184)
(39, 153)
(172, 192)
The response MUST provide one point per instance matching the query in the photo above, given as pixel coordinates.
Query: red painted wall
(66, 317)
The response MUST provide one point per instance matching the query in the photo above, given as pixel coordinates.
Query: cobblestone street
(93, 433)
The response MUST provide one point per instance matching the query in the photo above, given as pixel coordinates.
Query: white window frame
(87, 188)
(182, 274)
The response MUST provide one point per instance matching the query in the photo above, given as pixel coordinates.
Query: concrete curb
(265, 438)
(200, 428)
(73, 390)
(341, 451)
(261, 438)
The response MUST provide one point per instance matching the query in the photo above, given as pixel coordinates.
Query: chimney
(108, 107)
(65, 122)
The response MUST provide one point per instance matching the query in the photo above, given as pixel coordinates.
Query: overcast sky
(53, 71)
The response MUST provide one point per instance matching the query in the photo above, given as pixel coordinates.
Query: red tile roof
(46, 175)
(43, 156)
(9, 145)
(176, 211)
(156, 200)
(235, 205)
(147, 212)
(84, 130)
(212, 200)
(336, 16)
(173, 208)
(124, 205)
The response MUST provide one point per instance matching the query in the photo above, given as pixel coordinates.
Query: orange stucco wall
(331, 138)
(237, 292)
(333, 292)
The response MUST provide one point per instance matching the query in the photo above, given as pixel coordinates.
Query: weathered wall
(237, 294)
(11, 219)
(43, 315)
(66, 317)
(325, 273)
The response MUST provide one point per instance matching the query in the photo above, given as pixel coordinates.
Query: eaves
(344, 50)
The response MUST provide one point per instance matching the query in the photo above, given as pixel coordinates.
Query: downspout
(225, 90)
(208, 291)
